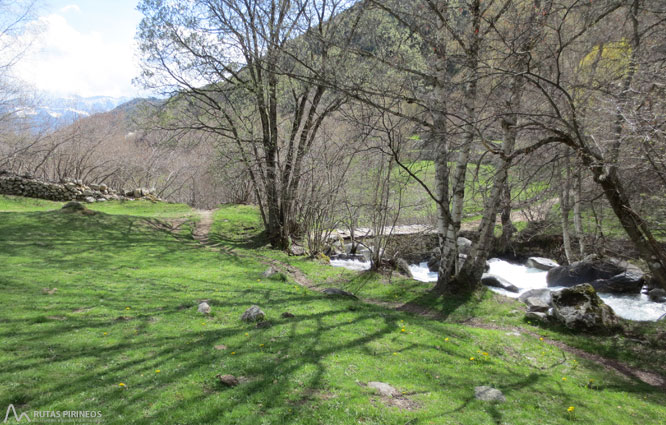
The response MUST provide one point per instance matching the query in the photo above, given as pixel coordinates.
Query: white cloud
(65, 61)
(74, 7)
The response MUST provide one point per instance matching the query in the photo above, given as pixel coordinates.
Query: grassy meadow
(122, 335)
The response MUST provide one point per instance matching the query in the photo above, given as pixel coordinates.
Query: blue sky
(84, 47)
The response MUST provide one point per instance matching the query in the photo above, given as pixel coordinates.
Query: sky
(85, 48)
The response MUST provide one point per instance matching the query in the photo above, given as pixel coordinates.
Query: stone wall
(67, 190)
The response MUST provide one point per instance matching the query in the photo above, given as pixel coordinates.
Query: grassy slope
(126, 308)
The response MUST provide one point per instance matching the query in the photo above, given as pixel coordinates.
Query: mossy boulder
(579, 308)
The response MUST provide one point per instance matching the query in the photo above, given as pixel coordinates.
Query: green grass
(145, 208)
(9, 203)
(126, 307)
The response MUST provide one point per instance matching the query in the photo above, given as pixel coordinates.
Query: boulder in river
(403, 267)
(541, 293)
(629, 282)
(657, 295)
(498, 282)
(580, 308)
(612, 276)
(541, 263)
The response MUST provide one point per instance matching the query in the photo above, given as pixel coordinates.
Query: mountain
(55, 112)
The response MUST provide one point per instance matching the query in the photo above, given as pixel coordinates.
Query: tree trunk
(578, 221)
(636, 228)
(565, 205)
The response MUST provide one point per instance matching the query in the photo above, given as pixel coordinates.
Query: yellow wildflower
(402, 330)
(127, 308)
(106, 333)
(446, 339)
(121, 385)
(157, 371)
(570, 409)
(564, 379)
(471, 358)
(233, 353)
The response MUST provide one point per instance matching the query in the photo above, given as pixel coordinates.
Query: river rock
(584, 271)
(339, 292)
(204, 308)
(541, 263)
(628, 282)
(486, 393)
(536, 315)
(541, 293)
(89, 199)
(657, 295)
(580, 308)
(403, 267)
(296, 250)
(464, 245)
(498, 282)
(536, 304)
(433, 263)
(253, 314)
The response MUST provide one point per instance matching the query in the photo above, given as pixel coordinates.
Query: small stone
(270, 272)
(536, 315)
(536, 304)
(220, 347)
(287, 315)
(384, 389)
(228, 380)
(253, 314)
(204, 308)
(264, 324)
(486, 393)
(339, 292)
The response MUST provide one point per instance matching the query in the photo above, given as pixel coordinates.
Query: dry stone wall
(67, 190)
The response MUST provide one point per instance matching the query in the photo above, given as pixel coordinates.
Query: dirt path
(203, 226)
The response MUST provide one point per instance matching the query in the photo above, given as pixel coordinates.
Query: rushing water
(631, 307)
(352, 264)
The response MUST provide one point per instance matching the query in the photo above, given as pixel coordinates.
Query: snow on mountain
(58, 111)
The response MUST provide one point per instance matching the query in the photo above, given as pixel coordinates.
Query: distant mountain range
(55, 112)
